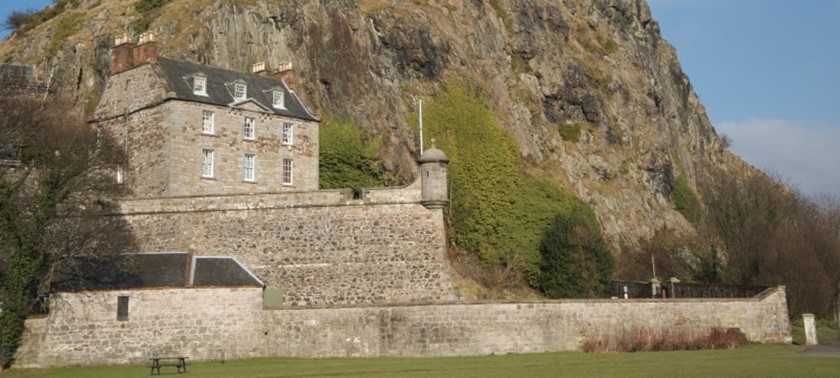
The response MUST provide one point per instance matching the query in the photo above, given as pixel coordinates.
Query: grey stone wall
(318, 248)
(229, 323)
(82, 328)
(129, 91)
(186, 141)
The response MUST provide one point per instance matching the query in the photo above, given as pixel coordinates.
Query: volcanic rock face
(597, 66)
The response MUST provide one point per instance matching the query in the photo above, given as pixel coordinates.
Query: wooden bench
(179, 362)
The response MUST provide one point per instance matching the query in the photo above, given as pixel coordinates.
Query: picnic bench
(179, 362)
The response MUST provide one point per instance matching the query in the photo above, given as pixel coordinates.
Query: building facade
(192, 129)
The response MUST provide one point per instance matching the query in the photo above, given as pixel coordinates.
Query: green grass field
(752, 361)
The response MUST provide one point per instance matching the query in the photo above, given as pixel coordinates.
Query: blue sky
(768, 72)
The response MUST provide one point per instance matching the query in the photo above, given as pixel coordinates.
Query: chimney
(122, 55)
(146, 50)
(286, 74)
(258, 68)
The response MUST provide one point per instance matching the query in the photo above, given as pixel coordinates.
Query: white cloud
(809, 156)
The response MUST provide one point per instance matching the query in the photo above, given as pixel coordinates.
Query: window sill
(208, 178)
(209, 134)
(249, 139)
(249, 182)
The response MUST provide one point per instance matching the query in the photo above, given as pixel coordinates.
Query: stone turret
(435, 192)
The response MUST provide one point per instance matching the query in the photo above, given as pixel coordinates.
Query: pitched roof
(221, 271)
(152, 270)
(220, 87)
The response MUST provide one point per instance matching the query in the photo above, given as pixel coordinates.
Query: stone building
(192, 129)
(225, 163)
(268, 265)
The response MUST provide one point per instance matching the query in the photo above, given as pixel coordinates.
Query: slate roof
(152, 270)
(220, 90)
(221, 271)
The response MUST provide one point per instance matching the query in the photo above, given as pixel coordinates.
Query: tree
(55, 185)
(769, 235)
(17, 19)
(576, 261)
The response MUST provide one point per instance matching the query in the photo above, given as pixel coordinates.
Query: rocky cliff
(593, 94)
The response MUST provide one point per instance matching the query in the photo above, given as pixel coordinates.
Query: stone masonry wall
(186, 142)
(83, 329)
(318, 248)
(487, 328)
(228, 323)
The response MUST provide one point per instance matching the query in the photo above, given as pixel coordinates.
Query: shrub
(575, 260)
(348, 157)
(66, 27)
(725, 141)
(503, 14)
(570, 131)
(605, 46)
(147, 11)
(17, 19)
(684, 199)
(643, 339)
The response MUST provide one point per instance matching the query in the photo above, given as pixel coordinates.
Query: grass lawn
(752, 361)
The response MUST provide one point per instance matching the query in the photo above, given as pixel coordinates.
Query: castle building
(192, 129)
(241, 255)
(225, 163)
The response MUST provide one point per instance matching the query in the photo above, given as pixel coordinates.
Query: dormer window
(277, 99)
(200, 84)
(240, 91)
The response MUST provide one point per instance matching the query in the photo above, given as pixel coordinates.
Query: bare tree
(55, 186)
(774, 235)
(17, 19)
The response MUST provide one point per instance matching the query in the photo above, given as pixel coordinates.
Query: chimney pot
(146, 50)
(286, 74)
(258, 67)
(122, 55)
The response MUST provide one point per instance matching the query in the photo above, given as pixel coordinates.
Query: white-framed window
(249, 130)
(287, 171)
(207, 163)
(200, 85)
(249, 167)
(240, 91)
(208, 122)
(277, 99)
(288, 134)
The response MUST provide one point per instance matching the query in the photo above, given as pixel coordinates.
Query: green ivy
(685, 200)
(576, 261)
(570, 132)
(148, 10)
(349, 158)
(495, 211)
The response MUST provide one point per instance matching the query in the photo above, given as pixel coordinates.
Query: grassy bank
(753, 361)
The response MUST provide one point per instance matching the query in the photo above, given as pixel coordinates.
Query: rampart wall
(211, 324)
(318, 248)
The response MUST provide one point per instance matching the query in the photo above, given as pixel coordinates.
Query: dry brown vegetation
(753, 231)
(643, 340)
